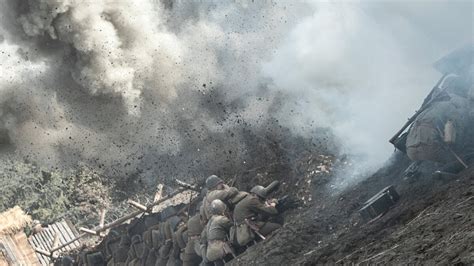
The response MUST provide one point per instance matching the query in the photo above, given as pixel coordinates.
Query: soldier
(111, 245)
(120, 255)
(251, 216)
(217, 190)
(166, 232)
(442, 129)
(215, 235)
(179, 243)
(136, 252)
(192, 253)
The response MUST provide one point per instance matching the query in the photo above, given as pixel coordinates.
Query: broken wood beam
(137, 205)
(89, 231)
(43, 252)
(69, 242)
(119, 221)
(102, 217)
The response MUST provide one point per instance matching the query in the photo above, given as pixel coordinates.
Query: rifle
(187, 185)
(228, 248)
(254, 228)
(427, 103)
(284, 203)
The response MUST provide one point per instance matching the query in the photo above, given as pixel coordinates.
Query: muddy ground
(431, 224)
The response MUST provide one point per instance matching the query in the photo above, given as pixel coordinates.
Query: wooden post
(102, 217)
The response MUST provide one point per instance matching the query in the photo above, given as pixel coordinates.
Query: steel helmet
(217, 207)
(259, 191)
(213, 181)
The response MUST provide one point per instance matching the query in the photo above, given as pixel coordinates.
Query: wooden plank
(34, 242)
(57, 231)
(89, 231)
(102, 217)
(48, 237)
(73, 232)
(42, 240)
(68, 234)
(64, 236)
(41, 245)
(137, 205)
(10, 250)
(29, 255)
(123, 219)
(71, 227)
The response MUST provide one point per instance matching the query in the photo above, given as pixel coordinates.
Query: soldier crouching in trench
(441, 130)
(215, 246)
(251, 216)
(217, 189)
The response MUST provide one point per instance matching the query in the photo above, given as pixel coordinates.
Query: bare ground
(431, 224)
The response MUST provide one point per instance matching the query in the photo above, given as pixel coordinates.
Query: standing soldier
(215, 235)
(251, 216)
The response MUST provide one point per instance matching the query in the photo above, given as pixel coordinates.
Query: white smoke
(362, 68)
(122, 83)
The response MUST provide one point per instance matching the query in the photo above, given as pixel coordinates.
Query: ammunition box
(379, 204)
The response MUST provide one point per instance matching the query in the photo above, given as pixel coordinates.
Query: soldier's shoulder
(222, 219)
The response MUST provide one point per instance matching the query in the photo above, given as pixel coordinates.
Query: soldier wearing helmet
(214, 245)
(254, 209)
(192, 251)
(217, 189)
(441, 131)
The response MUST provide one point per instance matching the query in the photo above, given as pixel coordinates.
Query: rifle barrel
(423, 107)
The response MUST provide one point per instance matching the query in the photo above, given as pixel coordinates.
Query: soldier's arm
(226, 194)
(227, 223)
(261, 208)
(231, 192)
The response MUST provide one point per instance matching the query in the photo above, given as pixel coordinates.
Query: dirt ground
(431, 224)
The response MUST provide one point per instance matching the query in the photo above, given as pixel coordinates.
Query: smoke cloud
(179, 88)
(138, 87)
(362, 68)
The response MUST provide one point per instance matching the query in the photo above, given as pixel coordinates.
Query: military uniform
(191, 255)
(120, 254)
(179, 243)
(137, 251)
(215, 235)
(256, 211)
(227, 195)
(425, 137)
(167, 243)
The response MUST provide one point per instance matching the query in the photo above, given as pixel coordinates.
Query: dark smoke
(140, 89)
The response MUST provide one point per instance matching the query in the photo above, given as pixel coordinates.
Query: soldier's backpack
(244, 234)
